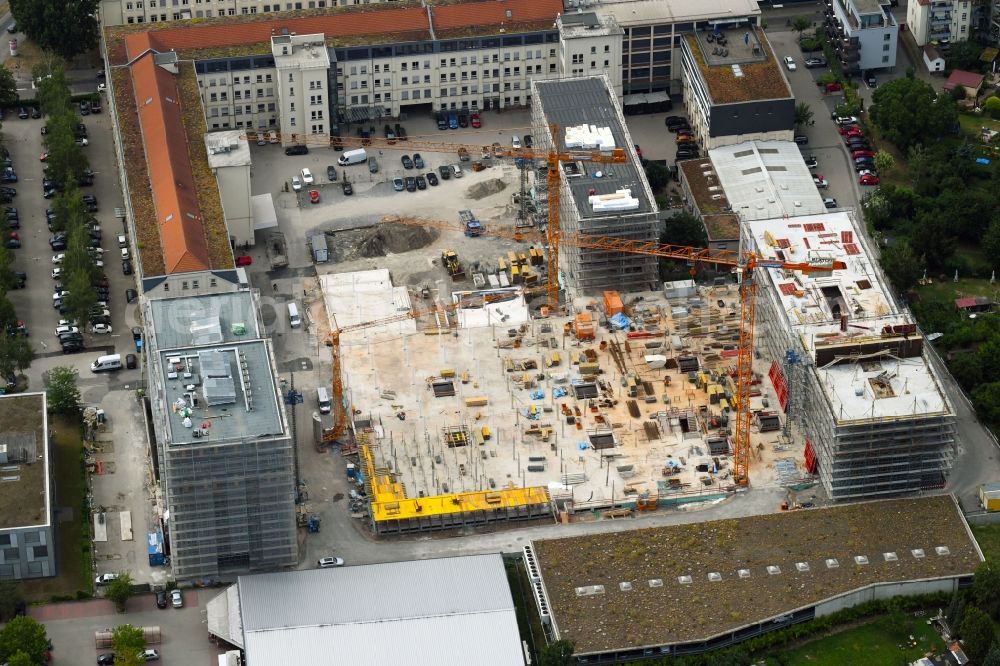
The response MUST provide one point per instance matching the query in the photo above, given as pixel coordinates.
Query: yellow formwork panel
(437, 505)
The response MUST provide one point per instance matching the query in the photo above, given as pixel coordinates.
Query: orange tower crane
(744, 264)
(552, 159)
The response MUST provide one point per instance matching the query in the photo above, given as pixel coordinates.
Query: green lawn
(946, 291)
(73, 536)
(988, 537)
(884, 642)
(973, 125)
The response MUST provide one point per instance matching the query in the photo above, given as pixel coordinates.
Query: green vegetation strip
(884, 641)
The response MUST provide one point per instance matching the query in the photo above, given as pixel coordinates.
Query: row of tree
(64, 27)
(66, 168)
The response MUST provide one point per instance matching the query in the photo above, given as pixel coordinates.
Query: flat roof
(877, 383)
(437, 611)
(24, 475)
(191, 320)
(660, 609)
(300, 51)
(656, 12)
(570, 103)
(766, 179)
(704, 185)
(723, 227)
(240, 371)
(363, 296)
(227, 148)
(588, 24)
(739, 77)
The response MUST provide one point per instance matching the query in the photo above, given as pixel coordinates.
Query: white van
(106, 363)
(323, 398)
(357, 156)
(293, 315)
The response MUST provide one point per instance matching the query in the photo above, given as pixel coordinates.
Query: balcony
(939, 33)
(850, 57)
(940, 4)
(940, 18)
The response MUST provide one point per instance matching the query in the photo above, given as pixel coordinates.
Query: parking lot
(71, 627)
(124, 483)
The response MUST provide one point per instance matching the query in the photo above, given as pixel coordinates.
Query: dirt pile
(485, 188)
(394, 238)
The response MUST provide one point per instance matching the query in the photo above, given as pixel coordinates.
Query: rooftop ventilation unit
(683, 580)
(942, 550)
(737, 71)
(832, 563)
(530, 564)
(714, 577)
(918, 553)
(625, 586)
(773, 569)
(802, 566)
(743, 573)
(589, 590)
(861, 560)
(542, 603)
(656, 582)
(890, 557)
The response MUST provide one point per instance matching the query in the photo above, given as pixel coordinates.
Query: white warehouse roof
(451, 611)
(766, 179)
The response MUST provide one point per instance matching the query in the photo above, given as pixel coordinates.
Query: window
(607, 48)
(291, 121)
(885, 48)
(406, 94)
(606, 63)
(212, 282)
(403, 81)
(885, 58)
(886, 37)
(184, 284)
(402, 66)
(965, 17)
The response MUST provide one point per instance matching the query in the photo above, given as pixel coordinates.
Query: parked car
(846, 120)
(104, 579)
(870, 79)
(432, 178)
(421, 183)
(789, 63)
(400, 132)
(398, 184)
(830, 202)
(418, 161)
(820, 181)
(528, 141)
(801, 139)
(463, 119)
(868, 179)
(862, 152)
(685, 154)
(100, 329)
(331, 173)
(307, 177)
(84, 107)
(176, 599)
(161, 595)
(475, 120)
(297, 150)
(148, 655)
(126, 268)
(296, 184)
(811, 162)
(515, 142)
(445, 172)
(314, 196)
(390, 136)
(108, 658)
(328, 562)
(456, 171)
(812, 63)
(131, 362)
(411, 184)
(131, 295)
(407, 161)
(348, 188)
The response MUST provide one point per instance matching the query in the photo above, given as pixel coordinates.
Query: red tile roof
(171, 179)
(960, 77)
(495, 13)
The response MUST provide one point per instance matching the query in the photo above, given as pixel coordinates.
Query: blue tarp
(538, 394)
(154, 541)
(620, 321)
(558, 392)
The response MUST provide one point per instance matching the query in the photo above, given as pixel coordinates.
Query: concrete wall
(28, 552)
(234, 190)
(885, 591)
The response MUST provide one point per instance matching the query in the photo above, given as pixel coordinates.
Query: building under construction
(848, 363)
(600, 199)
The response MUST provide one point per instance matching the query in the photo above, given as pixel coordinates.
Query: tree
(16, 354)
(991, 242)
(128, 643)
(803, 114)
(684, 228)
(65, 27)
(81, 298)
(977, 634)
(902, 265)
(559, 653)
(992, 106)
(800, 24)
(53, 90)
(986, 398)
(986, 588)
(21, 659)
(884, 161)
(956, 609)
(62, 394)
(120, 590)
(657, 175)
(965, 55)
(23, 634)
(908, 110)
(10, 599)
(8, 87)
(993, 658)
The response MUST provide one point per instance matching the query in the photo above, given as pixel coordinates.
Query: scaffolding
(570, 103)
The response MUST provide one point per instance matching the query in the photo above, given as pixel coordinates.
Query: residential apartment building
(864, 33)
(27, 529)
(223, 443)
(939, 22)
(734, 88)
(653, 30)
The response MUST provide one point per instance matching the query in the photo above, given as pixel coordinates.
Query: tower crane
(744, 265)
(552, 159)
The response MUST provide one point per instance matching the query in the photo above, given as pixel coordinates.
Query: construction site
(522, 364)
